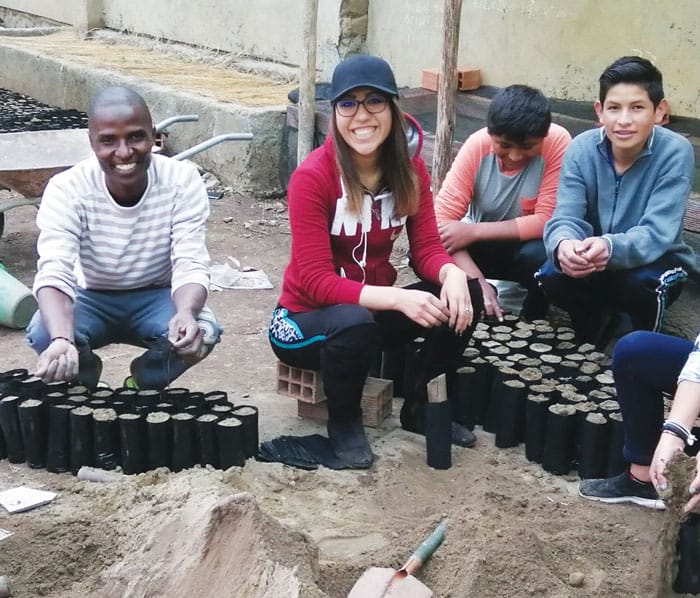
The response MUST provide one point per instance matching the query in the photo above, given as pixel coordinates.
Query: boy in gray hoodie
(615, 241)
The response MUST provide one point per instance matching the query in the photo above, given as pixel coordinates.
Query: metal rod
(180, 118)
(211, 142)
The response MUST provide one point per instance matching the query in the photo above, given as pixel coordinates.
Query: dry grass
(201, 72)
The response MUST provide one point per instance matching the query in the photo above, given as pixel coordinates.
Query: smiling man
(122, 255)
(498, 194)
(615, 241)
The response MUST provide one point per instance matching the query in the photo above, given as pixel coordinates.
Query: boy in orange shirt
(498, 194)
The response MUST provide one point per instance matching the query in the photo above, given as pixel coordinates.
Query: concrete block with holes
(306, 387)
(377, 396)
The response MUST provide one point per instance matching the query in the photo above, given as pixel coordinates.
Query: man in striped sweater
(122, 255)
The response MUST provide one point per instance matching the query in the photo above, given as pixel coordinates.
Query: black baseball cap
(362, 71)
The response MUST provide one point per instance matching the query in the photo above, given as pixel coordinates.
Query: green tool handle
(431, 543)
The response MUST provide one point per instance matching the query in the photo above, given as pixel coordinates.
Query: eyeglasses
(374, 104)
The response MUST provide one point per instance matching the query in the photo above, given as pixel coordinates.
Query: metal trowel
(384, 582)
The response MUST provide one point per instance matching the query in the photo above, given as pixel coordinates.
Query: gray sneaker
(621, 489)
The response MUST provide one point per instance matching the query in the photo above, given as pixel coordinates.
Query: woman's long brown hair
(395, 162)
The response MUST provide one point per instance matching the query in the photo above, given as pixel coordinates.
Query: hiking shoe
(130, 382)
(622, 488)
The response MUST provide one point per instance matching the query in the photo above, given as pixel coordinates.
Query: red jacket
(333, 254)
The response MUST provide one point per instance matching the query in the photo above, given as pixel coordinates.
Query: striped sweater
(87, 239)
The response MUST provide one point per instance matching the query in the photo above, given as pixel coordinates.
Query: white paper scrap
(24, 498)
(224, 276)
(5, 534)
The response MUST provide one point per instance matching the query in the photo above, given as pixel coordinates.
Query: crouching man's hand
(185, 335)
(58, 362)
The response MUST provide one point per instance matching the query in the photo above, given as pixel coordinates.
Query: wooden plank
(691, 221)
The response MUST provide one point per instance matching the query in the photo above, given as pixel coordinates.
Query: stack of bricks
(307, 388)
(466, 78)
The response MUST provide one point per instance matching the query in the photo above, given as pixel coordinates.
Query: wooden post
(442, 156)
(307, 83)
(437, 389)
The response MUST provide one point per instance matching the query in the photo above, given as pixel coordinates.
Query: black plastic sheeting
(19, 113)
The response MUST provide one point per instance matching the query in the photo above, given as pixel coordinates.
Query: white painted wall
(266, 29)
(62, 11)
(560, 46)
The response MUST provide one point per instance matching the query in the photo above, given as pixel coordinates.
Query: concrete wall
(560, 46)
(61, 11)
(265, 29)
(247, 166)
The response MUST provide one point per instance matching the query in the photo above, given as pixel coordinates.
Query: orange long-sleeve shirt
(467, 182)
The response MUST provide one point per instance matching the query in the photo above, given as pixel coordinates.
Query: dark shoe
(462, 436)
(350, 443)
(622, 488)
(152, 369)
(535, 307)
(89, 368)
(412, 418)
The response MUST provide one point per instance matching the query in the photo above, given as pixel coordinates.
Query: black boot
(350, 443)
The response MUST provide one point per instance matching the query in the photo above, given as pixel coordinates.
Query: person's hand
(492, 307)
(58, 362)
(572, 259)
(422, 307)
(694, 488)
(596, 251)
(454, 293)
(456, 235)
(668, 446)
(184, 334)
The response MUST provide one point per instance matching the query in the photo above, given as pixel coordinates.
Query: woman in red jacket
(348, 202)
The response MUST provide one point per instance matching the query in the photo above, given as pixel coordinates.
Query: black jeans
(344, 341)
(644, 293)
(511, 260)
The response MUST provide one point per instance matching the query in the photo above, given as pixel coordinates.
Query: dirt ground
(267, 530)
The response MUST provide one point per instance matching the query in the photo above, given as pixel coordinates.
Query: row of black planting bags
(62, 427)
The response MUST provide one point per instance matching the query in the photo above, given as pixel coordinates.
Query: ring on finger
(469, 309)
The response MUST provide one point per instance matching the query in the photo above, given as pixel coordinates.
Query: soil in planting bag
(248, 414)
(560, 441)
(208, 450)
(9, 424)
(80, 438)
(229, 438)
(536, 411)
(593, 459)
(58, 443)
(105, 438)
(184, 448)
(132, 443)
(159, 439)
